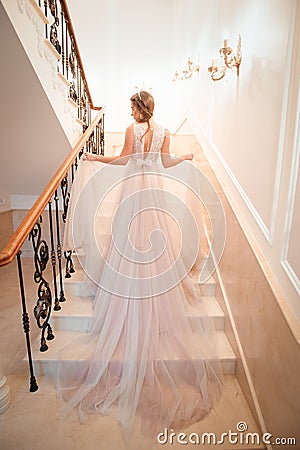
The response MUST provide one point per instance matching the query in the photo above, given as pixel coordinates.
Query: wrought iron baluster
(92, 143)
(57, 306)
(46, 14)
(102, 139)
(72, 172)
(26, 325)
(85, 110)
(67, 48)
(72, 64)
(69, 263)
(64, 185)
(54, 27)
(42, 310)
(63, 58)
(79, 91)
(97, 139)
(62, 297)
(78, 86)
(89, 113)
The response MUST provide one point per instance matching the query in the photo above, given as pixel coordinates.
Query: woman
(142, 107)
(143, 356)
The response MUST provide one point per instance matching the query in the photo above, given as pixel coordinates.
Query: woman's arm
(124, 155)
(167, 160)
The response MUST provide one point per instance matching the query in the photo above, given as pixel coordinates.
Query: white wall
(249, 126)
(127, 44)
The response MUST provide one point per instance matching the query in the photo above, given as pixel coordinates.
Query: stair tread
(63, 338)
(78, 275)
(78, 306)
(194, 274)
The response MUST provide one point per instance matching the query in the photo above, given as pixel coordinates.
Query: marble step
(72, 285)
(76, 313)
(45, 363)
(103, 432)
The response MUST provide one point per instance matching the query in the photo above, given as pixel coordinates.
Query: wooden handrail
(16, 241)
(72, 34)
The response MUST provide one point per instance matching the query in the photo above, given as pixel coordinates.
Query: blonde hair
(144, 102)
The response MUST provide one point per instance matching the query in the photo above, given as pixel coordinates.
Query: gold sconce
(177, 77)
(230, 61)
(187, 71)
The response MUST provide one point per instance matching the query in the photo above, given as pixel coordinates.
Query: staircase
(76, 314)
(74, 318)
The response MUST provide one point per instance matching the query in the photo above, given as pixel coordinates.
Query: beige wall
(268, 356)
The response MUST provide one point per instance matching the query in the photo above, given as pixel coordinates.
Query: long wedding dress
(150, 352)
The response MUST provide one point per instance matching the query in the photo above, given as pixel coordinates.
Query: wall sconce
(187, 71)
(230, 61)
(177, 77)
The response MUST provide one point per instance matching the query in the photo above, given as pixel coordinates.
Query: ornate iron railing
(60, 33)
(46, 241)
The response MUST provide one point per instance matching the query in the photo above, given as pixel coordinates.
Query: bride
(145, 356)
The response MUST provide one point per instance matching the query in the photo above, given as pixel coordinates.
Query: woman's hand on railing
(90, 157)
(187, 157)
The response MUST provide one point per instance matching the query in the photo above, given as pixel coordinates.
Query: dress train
(146, 355)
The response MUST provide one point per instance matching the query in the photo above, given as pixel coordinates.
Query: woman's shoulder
(130, 129)
(162, 127)
(164, 131)
(130, 126)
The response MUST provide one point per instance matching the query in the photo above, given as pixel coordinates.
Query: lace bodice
(141, 156)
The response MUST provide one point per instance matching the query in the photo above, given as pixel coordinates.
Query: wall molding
(22, 201)
(38, 19)
(205, 142)
(25, 202)
(294, 174)
(283, 121)
(221, 173)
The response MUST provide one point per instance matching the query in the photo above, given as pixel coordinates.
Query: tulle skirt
(150, 352)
